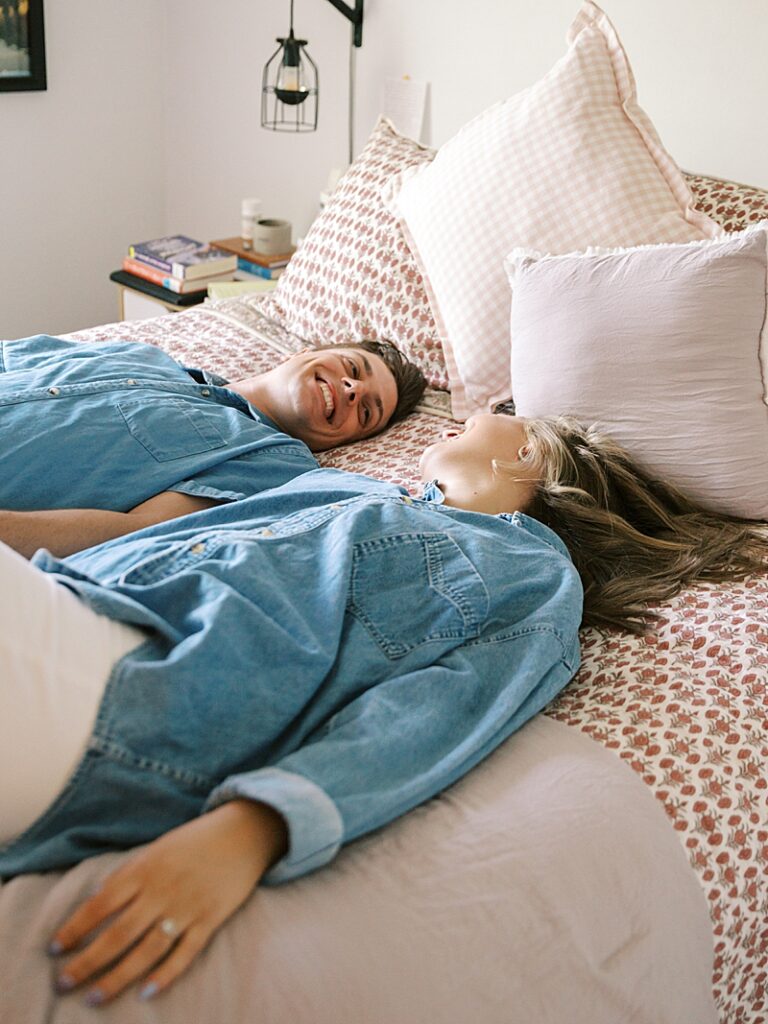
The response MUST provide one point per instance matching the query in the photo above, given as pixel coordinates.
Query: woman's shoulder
(537, 530)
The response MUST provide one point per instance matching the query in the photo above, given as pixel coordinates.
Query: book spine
(261, 260)
(279, 265)
(173, 284)
(207, 268)
(149, 260)
(258, 271)
(132, 265)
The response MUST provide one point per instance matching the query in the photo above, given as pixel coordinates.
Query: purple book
(182, 257)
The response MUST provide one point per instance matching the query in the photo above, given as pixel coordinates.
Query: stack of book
(250, 263)
(179, 264)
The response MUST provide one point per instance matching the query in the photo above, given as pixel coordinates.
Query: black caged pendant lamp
(289, 89)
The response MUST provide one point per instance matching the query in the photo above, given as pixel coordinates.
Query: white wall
(218, 152)
(700, 66)
(151, 120)
(83, 165)
(702, 76)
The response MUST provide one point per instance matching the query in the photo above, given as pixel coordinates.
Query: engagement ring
(169, 927)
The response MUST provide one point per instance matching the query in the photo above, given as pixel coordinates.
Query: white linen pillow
(664, 347)
(570, 162)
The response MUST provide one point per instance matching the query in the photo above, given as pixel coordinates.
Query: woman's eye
(353, 371)
(366, 416)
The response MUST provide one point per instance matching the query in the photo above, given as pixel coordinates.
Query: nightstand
(142, 300)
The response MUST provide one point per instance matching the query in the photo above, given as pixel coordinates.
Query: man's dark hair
(408, 377)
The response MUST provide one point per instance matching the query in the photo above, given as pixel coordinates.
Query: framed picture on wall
(22, 45)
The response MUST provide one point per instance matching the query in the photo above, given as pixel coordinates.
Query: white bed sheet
(545, 887)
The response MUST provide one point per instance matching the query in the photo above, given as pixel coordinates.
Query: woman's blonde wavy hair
(634, 539)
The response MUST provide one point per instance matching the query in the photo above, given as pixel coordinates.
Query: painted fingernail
(54, 948)
(65, 982)
(94, 998)
(149, 990)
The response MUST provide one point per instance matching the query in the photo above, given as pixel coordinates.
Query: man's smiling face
(331, 396)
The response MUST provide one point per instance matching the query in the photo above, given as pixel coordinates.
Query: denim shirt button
(54, 391)
(205, 392)
(130, 381)
(197, 549)
(407, 500)
(335, 507)
(267, 532)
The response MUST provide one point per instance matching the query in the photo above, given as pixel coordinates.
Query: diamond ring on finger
(169, 927)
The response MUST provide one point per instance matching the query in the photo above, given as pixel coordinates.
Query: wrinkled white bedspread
(544, 888)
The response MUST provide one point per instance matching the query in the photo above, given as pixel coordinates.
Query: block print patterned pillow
(354, 276)
(733, 206)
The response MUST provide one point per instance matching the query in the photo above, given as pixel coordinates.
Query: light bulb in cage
(289, 87)
(289, 90)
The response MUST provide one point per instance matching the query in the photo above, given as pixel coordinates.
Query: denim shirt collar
(432, 493)
(216, 381)
(435, 496)
(206, 377)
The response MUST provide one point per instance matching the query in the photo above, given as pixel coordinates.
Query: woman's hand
(163, 905)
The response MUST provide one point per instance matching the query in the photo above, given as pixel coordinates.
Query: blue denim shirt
(111, 424)
(333, 648)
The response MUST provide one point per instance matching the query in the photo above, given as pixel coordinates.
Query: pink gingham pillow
(570, 162)
(354, 276)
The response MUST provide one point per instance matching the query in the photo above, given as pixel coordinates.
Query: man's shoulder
(27, 353)
(45, 350)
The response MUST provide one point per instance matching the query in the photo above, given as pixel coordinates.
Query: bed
(609, 862)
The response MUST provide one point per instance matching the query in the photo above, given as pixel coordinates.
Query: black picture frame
(22, 46)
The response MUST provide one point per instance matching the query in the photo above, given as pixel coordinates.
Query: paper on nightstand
(405, 103)
(230, 289)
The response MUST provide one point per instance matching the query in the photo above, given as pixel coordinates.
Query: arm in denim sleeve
(405, 740)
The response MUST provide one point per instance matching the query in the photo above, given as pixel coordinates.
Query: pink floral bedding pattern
(730, 204)
(199, 338)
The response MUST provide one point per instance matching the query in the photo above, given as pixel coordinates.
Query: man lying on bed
(99, 440)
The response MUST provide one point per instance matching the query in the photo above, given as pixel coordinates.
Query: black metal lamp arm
(353, 14)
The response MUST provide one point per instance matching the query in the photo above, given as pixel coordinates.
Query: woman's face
(462, 464)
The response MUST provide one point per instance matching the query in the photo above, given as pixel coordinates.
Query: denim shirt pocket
(415, 589)
(170, 428)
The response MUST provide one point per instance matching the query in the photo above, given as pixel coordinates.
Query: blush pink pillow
(665, 348)
(570, 162)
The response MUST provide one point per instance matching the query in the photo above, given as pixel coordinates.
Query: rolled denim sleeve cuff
(315, 827)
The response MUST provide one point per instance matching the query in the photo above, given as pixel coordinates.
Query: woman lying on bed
(307, 664)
